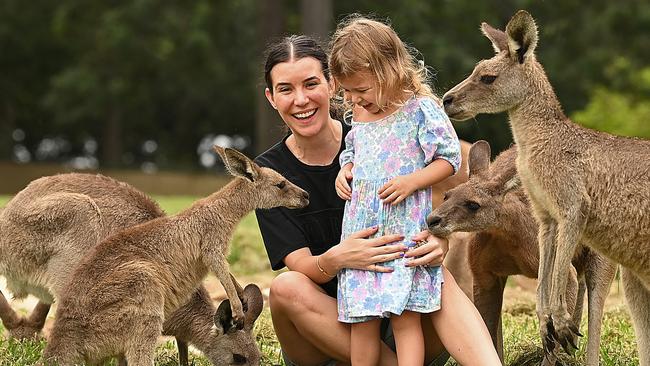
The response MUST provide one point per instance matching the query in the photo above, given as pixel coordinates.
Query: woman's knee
(290, 288)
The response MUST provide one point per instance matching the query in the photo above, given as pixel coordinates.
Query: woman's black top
(317, 226)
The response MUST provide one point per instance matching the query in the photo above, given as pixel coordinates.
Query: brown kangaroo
(118, 297)
(584, 186)
(495, 209)
(51, 224)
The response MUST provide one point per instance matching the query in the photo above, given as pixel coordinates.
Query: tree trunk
(271, 25)
(317, 19)
(112, 139)
(7, 126)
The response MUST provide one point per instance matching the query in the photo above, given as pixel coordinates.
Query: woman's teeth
(305, 115)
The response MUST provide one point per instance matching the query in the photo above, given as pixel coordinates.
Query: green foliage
(623, 108)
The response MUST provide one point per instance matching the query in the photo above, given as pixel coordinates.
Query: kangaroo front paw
(566, 332)
(237, 314)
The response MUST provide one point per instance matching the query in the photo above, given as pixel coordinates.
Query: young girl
(400, 144)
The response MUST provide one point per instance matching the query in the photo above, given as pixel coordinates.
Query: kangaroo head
(270, 187)
(498, 84)
(476, 204)
(232, 345)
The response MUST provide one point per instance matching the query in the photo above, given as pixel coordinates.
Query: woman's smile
(305, 115)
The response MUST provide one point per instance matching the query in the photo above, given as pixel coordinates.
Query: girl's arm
(342, 183)
(441, 149)
(398, 188)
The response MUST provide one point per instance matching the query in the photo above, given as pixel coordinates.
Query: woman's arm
(431, 253)
(357, 251)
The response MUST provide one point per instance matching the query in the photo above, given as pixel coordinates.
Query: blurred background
(143, 87)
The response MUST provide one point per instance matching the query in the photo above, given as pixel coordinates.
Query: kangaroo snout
(303, 199)
(434, 224)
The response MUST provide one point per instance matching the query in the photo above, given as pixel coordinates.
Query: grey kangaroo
(493, 206)
(116, 301)
(584, 186)
(51, 224)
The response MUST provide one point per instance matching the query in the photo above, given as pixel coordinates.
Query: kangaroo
(584, 186)
(51, 224)
(118, 297)
(494, 207)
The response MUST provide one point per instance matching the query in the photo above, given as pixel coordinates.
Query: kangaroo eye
(488, 79)
(238, 359)
(445, 196)
(281, 185)
(472, 206)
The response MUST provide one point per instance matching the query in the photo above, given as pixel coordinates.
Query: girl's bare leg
(365, 343)
(461, 328)
(408, 338)
(305, 322)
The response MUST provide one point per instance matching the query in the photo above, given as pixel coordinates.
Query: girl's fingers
(392, 197)
(399, 199)
(385, 190)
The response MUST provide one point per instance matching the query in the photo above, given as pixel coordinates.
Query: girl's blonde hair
(363, 44)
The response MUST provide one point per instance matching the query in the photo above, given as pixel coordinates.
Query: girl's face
(301, 95)
(360, 89)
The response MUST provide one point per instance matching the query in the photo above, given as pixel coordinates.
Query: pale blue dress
(399, 144)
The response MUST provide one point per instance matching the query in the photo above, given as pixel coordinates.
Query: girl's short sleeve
(347, 155)
(436, 134)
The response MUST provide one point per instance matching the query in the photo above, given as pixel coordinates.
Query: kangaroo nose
(447, 100)
(433, 221)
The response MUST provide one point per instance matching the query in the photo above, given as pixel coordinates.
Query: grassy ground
(248, 261)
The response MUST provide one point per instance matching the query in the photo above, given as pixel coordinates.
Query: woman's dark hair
(296, 47)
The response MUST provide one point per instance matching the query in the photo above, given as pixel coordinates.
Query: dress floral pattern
(399, 144)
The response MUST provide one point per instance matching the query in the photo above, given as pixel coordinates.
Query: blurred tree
(271, 26)
(146, 70)
(28, 56)
(623, 108)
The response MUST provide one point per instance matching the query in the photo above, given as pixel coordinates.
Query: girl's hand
(397, 189)
(342, 183)
(431, 253)
(359, 252)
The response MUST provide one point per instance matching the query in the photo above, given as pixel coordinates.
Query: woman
(303, 300)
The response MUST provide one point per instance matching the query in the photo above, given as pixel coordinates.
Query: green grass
(247, 257)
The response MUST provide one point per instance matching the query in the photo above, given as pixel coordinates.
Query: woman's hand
(431, 253)
(397, 189)
(359, 252)
(342, 183)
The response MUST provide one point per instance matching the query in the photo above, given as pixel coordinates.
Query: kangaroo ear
(237, 163)
(223, 316)
(496, 36)
(479, 157)
(522, 36)
(254, 301)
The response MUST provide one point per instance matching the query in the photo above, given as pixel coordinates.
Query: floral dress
(399, 144)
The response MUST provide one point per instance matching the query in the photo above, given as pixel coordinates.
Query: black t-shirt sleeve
(282, 234)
